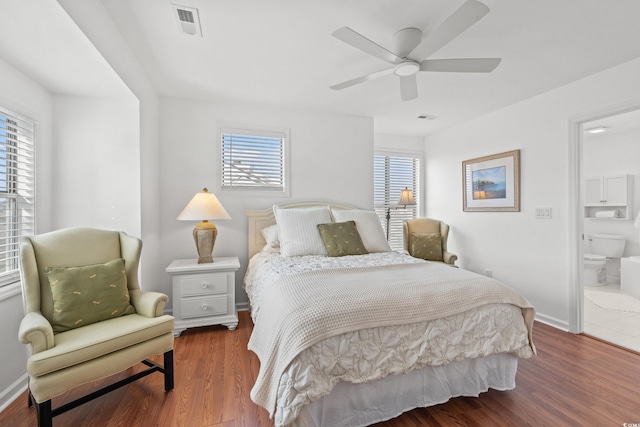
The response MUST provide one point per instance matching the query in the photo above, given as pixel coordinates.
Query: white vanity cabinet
(609, 193)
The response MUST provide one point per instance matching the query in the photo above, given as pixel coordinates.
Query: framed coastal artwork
(492, 183)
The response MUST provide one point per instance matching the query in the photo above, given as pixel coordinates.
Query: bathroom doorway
(605, 148)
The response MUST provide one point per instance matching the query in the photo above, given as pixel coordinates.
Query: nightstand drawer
(203, 284)
(204, 293)
(199, 307)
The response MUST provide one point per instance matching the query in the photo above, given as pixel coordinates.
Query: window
(17, 190)
(391, 174)
(253, 159)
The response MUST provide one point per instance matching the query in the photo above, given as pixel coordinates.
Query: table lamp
(203, 207)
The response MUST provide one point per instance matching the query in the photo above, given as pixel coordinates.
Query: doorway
(591, 156)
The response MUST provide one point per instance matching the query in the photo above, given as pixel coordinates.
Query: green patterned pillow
(88, 294)
(426, 246)
(342, 238)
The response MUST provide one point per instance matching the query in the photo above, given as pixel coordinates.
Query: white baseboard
(552, 321)
(12, 392)
(242, 306)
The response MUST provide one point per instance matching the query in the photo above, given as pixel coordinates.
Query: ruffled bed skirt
(354, 405)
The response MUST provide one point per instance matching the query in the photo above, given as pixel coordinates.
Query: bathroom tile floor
(618, 327)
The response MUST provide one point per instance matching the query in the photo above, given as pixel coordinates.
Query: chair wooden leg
(168, 370)
(44, 414)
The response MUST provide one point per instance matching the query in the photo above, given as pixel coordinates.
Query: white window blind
(253, 160)
(391, 174)
(17, 190)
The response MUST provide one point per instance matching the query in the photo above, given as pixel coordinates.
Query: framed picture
(492, 183)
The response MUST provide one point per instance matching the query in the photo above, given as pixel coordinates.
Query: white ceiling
(39, 39)
(281, 52)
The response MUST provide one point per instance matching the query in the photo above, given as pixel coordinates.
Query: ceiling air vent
(188, 20)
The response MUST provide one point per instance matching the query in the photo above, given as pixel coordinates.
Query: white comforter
(265, 267)
(374, 353)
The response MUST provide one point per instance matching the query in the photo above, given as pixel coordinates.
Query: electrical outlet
(488, 272)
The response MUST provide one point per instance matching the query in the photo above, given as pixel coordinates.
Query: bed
(356, 338)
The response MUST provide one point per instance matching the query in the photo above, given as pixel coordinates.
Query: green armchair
(62, 356)
(432, 231)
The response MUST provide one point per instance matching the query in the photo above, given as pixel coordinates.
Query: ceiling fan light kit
(410, 51)
(407, 68)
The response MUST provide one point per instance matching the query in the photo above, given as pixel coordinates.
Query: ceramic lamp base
(205, 234)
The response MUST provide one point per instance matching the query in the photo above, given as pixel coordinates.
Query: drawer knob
(204, 285)
(204, 307)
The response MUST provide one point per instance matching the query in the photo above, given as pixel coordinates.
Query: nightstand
(204, 294)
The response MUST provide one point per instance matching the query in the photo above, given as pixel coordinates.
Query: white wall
(331, 158)
(384, 141)
(96, 23)
(96, 163)
(24, 97)
(405, 144)
(83, 191)
(529, 254)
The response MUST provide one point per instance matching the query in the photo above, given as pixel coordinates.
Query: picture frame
(492, 183)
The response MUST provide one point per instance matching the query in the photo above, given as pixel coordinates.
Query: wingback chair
(427, 238)
(60, 271)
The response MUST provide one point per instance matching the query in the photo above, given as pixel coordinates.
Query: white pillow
(298, 229)
(271, 237)
(368, 225)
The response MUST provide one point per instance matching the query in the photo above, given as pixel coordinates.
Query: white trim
(576, 290)
(552, 321)
(576, 299)
(242, 306)
(9, 291)
(254, 129)
(397, 152)
(11, 393)
(19, 142)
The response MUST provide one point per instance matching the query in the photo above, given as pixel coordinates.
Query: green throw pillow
(88, 294)
(426, 246)
(342, 238)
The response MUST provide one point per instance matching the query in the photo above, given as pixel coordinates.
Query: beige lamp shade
(203, 207)
(406, 197)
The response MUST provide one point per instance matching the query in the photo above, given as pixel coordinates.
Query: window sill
(9, 291)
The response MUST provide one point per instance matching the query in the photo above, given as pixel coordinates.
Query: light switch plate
(543, 213)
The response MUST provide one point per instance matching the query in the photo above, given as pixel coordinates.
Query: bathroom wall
(614, 152)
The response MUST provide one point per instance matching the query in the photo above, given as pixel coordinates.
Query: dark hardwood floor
(574, 380)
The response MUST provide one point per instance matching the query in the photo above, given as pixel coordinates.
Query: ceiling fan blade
(408, 87)
(362, 79)
(461, 65)
(464, 17)
(362, 43)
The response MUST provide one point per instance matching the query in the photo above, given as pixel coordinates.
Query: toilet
(601, 247)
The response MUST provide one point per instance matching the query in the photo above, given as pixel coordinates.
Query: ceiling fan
(408, 56)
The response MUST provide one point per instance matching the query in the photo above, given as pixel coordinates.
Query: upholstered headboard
(259, 219)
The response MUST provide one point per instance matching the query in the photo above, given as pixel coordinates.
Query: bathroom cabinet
(606, 193)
